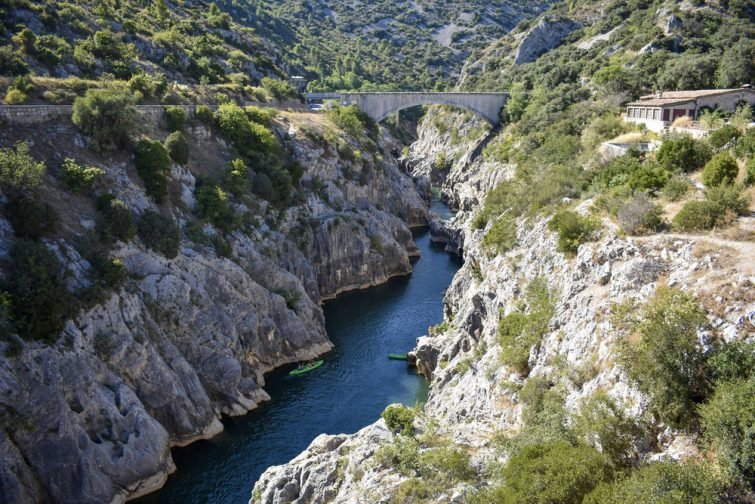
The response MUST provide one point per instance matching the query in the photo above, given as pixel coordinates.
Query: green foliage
(723, 137)
(550, 472)
(750, 172)
(480, 220)
(518, 332)
(115, 221)
(19, 170)
(35, 282)
(728, 421)
(602, 424)
(721, 169)
(248, 137)
(176, 118)
(663, 482)
(648, 177)
(237, 179)
(204, 114)
(721, 206)
(177, 147)
(159, 233)
(351, 120)
(15, 97)
(146, 86)
(573, 230)
(683, 154)
(153, 166)
(640, 215)
(446, 464)
(215, 207)
(107, 117)
(666, 361)
(30, 217)
(501, 237)
(697, 215)
(259, 115)
(281, 90)
(402, 455)
(676, 187)
(732, 361)
(78, 178)
(399, 418)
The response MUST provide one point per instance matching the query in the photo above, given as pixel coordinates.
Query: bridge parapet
(379, 105)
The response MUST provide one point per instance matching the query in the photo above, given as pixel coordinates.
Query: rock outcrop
(543, 37)
(185, 341)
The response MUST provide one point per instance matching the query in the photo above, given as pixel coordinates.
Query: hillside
(336, 46)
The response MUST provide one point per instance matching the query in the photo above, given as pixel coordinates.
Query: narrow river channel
(349, 392)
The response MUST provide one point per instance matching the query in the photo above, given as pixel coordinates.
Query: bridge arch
(380, 105)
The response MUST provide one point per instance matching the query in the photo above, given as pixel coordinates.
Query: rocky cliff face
(187, 340)
(473, 397)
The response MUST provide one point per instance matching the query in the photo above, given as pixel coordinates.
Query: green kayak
(397, 356)
(306, 368)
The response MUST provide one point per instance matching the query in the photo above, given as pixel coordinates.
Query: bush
(573, 230)
(107, 117)
(551, 472)
(77, 178)
(15, 97)
(648, 177)
(214, 206)
(732, 361)
(729, 199)
(640, 215)
(501, 236)
(237, 179)
(662, 482)
(30, 217)
(723, 137)
(696, 216)
(18, 170)
(153, 166)
(446, 465)
(159, 233)
(204, 114)
(519, 332)
(683, 154)
(259, 115)
(601, 424)
(280, 90)
(728, 422)
(351, 120)
(177, 147)
(399, 418)
(248, 137)
(36, 284)
(666, 362)
(750, 172)
(176, 118)
(115, 222)
(676, 187)
(722, 169)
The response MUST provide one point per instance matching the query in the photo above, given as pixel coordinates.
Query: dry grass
(683, 122)
(633, 137)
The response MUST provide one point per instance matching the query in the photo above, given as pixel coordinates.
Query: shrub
(204, 114)
(281, 90)
(723, 137)
(551, 472)
(666, 361)
(480, 220)
(728, 421)
(732, 361)
(237, 179)
(519, 332)
(683, 154)
(30, 217)
(729, 198)
(153, 166)
(107, 117)
(159, 233)
(648, 177)
(77, 178)
(640, 215)
(402, 455)
(115, 222)
(501, 236)
(36, 284)
(399, 418)
(18, 170)
(750, 172)
(696, 216)
(259, 115)
(176, 118)
(601, 424)
(672, 482)
(352, 121)
(248, 137)
(573, 230)
(722, 169)
(15, 97)
(214, 206)
(448, 465)
(676, 187)
(177, 147)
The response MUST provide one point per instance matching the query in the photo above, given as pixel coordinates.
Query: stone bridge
(380, 105)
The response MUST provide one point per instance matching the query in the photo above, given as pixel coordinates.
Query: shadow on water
(349, 392)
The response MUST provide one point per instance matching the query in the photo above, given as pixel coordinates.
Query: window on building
(656, 115)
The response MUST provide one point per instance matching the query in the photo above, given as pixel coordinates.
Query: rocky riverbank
(185, 341)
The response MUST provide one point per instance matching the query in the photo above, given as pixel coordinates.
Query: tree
(736, 67)
(682, 154)
(107, 117)
(19, 170)
(153, 166)
(159, 233)
(177, 147)
(722, 169)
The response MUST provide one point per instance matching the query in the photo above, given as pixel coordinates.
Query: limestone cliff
(184, 341)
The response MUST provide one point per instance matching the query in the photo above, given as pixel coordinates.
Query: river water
(349, 392)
